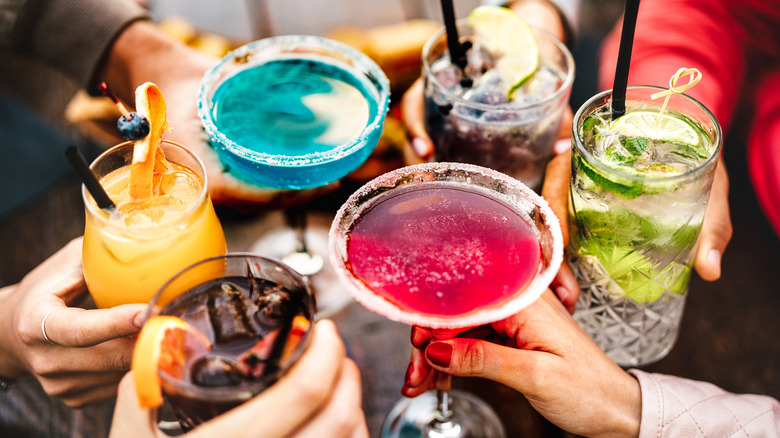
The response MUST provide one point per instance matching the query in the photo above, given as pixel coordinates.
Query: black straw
(624, 59)
(457, 54)
(94, 188)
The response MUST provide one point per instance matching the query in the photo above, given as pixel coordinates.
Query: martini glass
(295, 112)
(448, 247)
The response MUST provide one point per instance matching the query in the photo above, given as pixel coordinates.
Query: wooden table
(729, 334)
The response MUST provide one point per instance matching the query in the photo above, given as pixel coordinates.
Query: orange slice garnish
(148, 158)
(164, 343)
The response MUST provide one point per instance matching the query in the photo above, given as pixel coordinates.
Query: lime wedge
(509, 39)
(653, 126)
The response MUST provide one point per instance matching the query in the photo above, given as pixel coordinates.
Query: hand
(89, 350)
(542, 353)
(143, 53)
(319, 396)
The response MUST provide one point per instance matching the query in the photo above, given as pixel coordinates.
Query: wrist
(624, 411)
(543, 14)
(144, 53)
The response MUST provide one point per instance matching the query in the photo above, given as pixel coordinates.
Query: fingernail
(139, 319)
(440, 353)
(562, 146)
(562, 293)
(421, 147)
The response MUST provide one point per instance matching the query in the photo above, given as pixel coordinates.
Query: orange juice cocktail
(131, 252)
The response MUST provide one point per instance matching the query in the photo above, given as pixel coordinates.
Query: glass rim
(508, 106)
(701, 167)
(245, 390)
(378, 79)
(378, 304)
(95, 211)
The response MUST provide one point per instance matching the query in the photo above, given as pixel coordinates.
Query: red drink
(443, 249)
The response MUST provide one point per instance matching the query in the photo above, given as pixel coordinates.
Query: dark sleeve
(70, 35)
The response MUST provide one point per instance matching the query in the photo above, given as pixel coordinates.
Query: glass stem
(296, 219)
(443, 406)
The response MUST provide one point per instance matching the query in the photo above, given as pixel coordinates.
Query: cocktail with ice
(446, 246)
(639, 191)
(237, 324)
(504, 109)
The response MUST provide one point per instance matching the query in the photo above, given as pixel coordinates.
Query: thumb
(478, 358)
(76, 327)
(716, 229)
(419, 146)
(131, 420)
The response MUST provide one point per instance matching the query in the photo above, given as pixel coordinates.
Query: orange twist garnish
(695, 76)
(148, 158)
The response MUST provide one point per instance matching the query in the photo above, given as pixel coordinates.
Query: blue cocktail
(293, 112)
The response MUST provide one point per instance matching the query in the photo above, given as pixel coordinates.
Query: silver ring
(43, 324)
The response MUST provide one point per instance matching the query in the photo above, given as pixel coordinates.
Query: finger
(130, 420)
(566, 287)
(564, 133)
(419, 147)
(556, 190)
(418, 375)
(477, 358)
(75, 327)
(343, 415)
(91, 395)
(296, 397)
(420, 337)
(110, 356)
(716, 230)
(61, 274)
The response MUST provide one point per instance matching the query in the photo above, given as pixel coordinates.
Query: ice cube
(490, 89)
(448, 75)
(479, 63)
(229, 316)
(215, 371)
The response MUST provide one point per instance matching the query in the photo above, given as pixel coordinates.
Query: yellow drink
(129, 254)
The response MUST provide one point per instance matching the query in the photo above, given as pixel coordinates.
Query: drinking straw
(94, 188)
(624, 59)
(457, 55)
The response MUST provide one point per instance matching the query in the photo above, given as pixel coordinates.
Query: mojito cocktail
(639, 190)
(503, 110)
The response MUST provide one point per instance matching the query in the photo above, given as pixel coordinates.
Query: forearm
(144, 53)
(70, 35)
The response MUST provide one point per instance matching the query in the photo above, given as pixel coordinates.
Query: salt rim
(382, 306)
(361, 60)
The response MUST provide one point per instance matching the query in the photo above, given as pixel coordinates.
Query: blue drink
(294, 112)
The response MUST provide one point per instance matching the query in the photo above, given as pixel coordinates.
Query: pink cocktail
(445, 246)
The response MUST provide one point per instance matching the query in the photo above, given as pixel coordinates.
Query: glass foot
(417, 417)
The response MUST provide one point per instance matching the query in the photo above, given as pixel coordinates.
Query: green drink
(639, 190)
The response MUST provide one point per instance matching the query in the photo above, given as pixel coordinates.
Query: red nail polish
(439, 353)
(408, 374)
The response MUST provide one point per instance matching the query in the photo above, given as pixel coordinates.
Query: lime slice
(653, 126)
(509, 39)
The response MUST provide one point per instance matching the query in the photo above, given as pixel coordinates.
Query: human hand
(143, 53)
(542, 353)
(89, 350)
(319, 396)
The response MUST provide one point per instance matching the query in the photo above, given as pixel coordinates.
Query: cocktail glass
(474, 123)
(634, 230)
(294, 112)
(256, 313)
(131, 252)
(445, 246)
